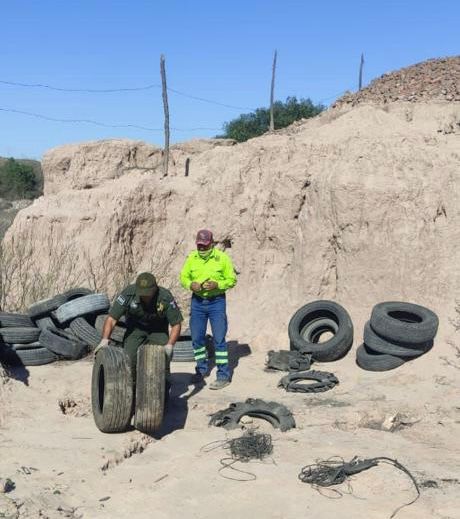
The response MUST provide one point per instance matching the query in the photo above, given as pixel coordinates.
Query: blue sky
(220, 51)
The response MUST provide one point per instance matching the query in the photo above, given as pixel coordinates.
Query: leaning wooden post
(166, 111)
(272, 93)
(361, 65)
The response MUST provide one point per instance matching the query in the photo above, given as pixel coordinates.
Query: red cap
(204, 237)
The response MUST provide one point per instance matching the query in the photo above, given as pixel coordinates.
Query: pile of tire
(61, 327)
(396, 333)
(312, 321)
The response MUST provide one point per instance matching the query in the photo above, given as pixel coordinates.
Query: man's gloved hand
(169, 351)
(209, 285)
(103, 344)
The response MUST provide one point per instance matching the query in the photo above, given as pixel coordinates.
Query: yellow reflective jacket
(216, 267)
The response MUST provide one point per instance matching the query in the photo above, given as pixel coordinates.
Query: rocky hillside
(360, 204)
(432, 80)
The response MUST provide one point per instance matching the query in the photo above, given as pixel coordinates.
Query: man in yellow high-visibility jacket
(208, 273)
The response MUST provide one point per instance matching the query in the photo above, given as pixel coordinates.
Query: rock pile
(435, 79)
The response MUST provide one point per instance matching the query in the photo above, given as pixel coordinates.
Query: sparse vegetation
(256, 123)
(18, 180)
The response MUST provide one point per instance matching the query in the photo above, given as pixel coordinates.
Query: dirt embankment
(359, 205)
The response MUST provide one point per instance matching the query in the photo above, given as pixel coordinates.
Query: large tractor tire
(150, 388)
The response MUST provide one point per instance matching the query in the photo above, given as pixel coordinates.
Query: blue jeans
(215, 310)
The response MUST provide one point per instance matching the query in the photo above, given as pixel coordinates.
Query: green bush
(17, 180)
(257, 123)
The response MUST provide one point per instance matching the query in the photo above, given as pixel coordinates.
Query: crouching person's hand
(103, 344)
(169, 351)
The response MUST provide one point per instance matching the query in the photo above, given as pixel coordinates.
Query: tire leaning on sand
(150, 388)
(112, 390)
(311, 321)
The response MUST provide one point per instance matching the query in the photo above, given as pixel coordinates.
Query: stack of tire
(396, 333)
(312, 321)
(62, 327)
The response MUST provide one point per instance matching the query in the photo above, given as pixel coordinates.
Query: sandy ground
(62, 466)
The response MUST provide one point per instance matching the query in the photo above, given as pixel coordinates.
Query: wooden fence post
(272, 93)
(166, 111)
(361, 65)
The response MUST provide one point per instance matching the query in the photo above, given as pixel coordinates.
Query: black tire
(85, 332)
(276, 414)
(285, 360)
(404, 322)
(372, 361)
(75, 293)
(321, 381)
(150, 388)
(118, 332)
(63, 344)
(29, 346)
(46, 323)
(183, 350)
(46, 306)
(15, 320)
(313, 319)
(90, 304)
(28, 356)
(112, 390)
(379, 345)
(19, 335)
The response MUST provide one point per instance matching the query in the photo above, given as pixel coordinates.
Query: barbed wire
(127, 89)
(104, 125)
(87, 90)
(209, 101)
(138, 89)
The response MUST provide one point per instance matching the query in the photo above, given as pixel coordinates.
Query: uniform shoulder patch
(121, 299)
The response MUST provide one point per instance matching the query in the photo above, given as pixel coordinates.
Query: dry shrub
(31, 270)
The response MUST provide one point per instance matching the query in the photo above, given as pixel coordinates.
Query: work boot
(219, 383)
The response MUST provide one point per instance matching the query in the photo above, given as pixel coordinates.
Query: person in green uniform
(152, 316)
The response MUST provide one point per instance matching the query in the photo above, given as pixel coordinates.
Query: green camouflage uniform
(145, 324)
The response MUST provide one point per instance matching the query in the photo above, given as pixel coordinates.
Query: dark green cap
(146, 284)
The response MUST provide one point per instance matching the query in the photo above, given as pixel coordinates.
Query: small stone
(6, 485)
